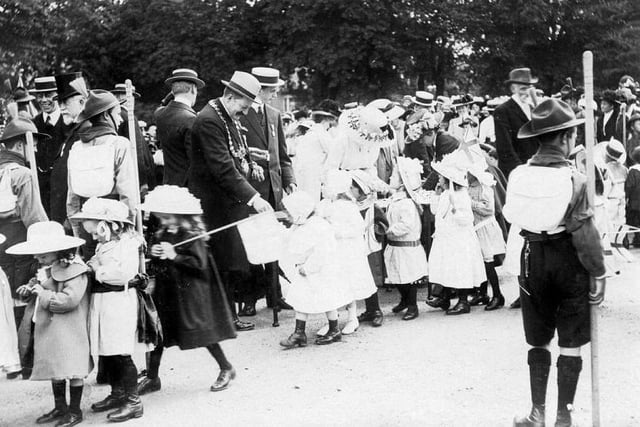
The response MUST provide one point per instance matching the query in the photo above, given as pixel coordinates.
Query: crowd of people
(111, 242)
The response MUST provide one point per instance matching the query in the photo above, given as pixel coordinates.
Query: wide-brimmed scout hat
(121, 89)
(300, 206)
(268, 77)
(63, 84)
(549, 116)
(22, 95)
(99, 209)
(521, 76)
(423, 98)
(45, 84)
(98, 102)
(327, 108)
(185, 75)
(44, 237)
(171, 199)
(244, 84)
(392, 110)
(20, 126)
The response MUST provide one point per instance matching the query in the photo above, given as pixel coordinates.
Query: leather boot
(534, 419)
(568, 373)
(70, 419)
(334, 334)
(378, 318)
(298, 337)
(480, 297)
(114, 400)
(132, 408)
(462, 307)
(411, 293)
(149, 385)
(539, 360)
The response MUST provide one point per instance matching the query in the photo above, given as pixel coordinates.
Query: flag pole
(31, 157)
(587, 64)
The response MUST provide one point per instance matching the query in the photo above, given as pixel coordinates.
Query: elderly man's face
(71, 108)
(238, 106)
(521, 91)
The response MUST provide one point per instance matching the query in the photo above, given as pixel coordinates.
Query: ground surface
(434, 371)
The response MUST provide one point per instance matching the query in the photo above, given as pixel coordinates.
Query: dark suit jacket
(174, 124)
(145, 160)
(512, 151)
(278, 170)
(612, 129)
(215, 177)
(47, 153)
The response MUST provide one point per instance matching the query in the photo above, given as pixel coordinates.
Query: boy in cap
(547, 200)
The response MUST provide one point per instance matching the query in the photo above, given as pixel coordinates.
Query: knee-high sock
(569, 368)
(539, 360)
(218, 354)
(75, 396)
(492, 277)
(155, 357)
(59, 388)
(411, 292)
(128, 374)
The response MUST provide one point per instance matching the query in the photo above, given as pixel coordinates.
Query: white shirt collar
(526, 108)
(55, 116)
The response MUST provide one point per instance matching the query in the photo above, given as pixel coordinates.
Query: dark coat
(216, 178)
(47, 153)
(512, 151)
(612, 129)
(174, 124)
(146, 172)
(278, 170)
(191, 301)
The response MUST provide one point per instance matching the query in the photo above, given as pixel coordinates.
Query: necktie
(261, 116)
(48, 121)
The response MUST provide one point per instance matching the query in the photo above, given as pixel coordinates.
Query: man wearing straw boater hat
(219, 175)
(547, 200)
(268, 147)
(174, 122)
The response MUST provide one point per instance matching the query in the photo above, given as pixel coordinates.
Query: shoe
(322, 331)
(223, 380)
(244, 326)
(330, 337)
(534, 419)
(411, 313)
(367, 316)
(283, 305)
(142, 374)
(495, 303)
(149, 385)
(132, 408)
(479, 299)
(13, 375)
(462, 307)
(350, 327)
(248, 310)
(563, 418)
(400, 307)
(378, 318)
(51, 416)
(114, 400)
(438, 302)
(295, 339)
(70, 419)
(516, 304)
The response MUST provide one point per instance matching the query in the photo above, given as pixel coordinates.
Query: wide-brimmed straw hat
(300, 206)
(44, 237)
(20, 126)
(185, 75)
(614, 149)
(99, 209)
(521, 76)
(171, 199)
(549, 116)
(392, 110)
(244, 84)
(98, 102)
(268, 77)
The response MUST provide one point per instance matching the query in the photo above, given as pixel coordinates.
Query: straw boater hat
(423, 98)
(98, 102)
(171, 199)
(19, 127)
(45, 84)
(549, 116)
(614, 150)
(99, 209)
(392, 110)
(300, 206)
(244, 84)
(521, 76)
(184, 75)
(121, 89)
(268, 77)
(44, 237)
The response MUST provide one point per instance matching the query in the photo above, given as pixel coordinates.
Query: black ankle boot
(402, 305)
(412, 302)
(114, 400)
(568, 373)
(480, 297)
(333, 335)
(131, 408)
(495, 303)
(539, 360)
(298, 338)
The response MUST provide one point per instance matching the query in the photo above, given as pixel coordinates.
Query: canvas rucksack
(91, 168)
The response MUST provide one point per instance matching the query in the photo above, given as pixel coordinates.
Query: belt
(543, 236)
(101, 288)
(408, 244)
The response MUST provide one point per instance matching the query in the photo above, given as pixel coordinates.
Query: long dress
(455, 260)
(487, 228)
(9, 358)
(310, 264)
(310, 161)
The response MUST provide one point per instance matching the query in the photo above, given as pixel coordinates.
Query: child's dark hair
(66, 254)
(193, 225)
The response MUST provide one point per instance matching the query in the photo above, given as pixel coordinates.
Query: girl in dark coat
(189, 296)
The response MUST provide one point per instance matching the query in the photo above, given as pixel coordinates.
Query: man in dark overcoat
(219, 175)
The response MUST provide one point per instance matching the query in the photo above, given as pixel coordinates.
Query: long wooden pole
(130, 103)
(587, 64)
(31, 157)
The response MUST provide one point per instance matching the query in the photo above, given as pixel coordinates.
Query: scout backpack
(8, 199)
(91, 168)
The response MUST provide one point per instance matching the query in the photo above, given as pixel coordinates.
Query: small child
(632, 192)
(113, 314)
(404, 256)
(455, 260)
(190, 299)
(311, 266)
(488, 231)
(61, 338)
